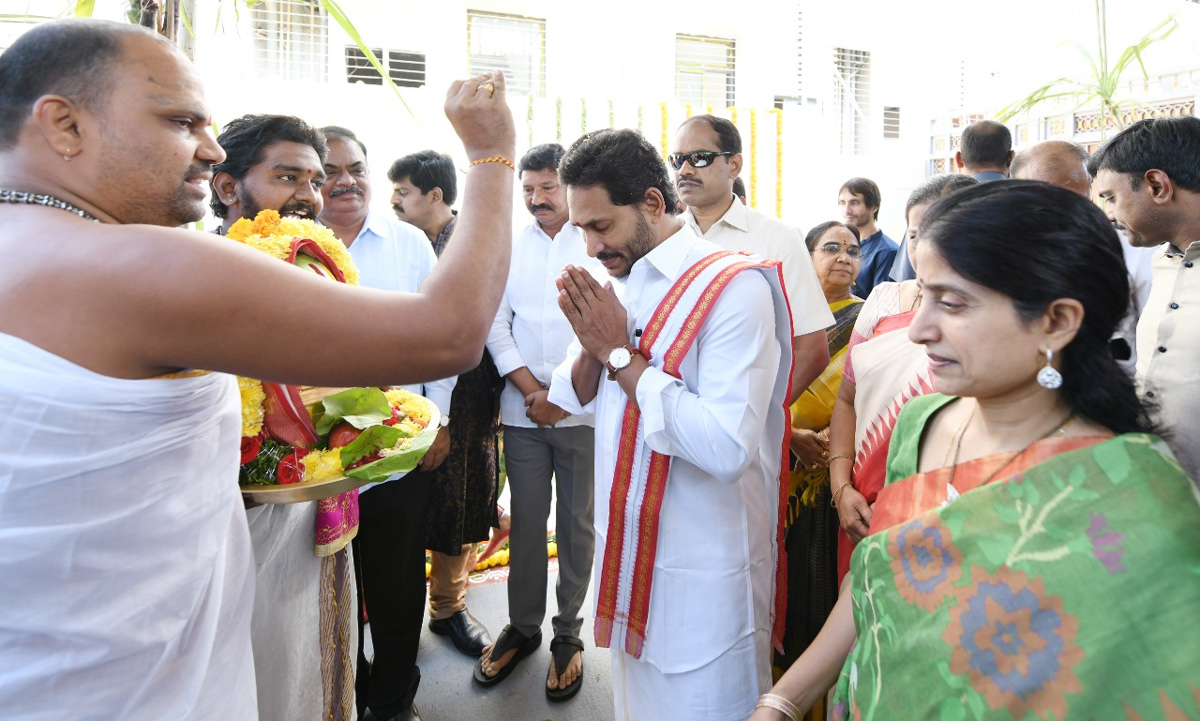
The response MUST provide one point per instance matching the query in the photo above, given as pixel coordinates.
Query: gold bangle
(494, 159)
(834, 497)
(780, 704)
(836, 456)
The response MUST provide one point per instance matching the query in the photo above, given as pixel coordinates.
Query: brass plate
(316, 490)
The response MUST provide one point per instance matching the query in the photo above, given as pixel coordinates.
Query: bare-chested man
(124, 534)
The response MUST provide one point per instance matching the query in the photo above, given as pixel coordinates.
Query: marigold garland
(273, 235)
(778, 162)
(753, 158)
(252, 406)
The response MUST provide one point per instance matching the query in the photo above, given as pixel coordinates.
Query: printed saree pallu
(1067, 589)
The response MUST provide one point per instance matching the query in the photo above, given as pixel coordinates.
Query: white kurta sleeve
(718, 425)
(500, 341)
(562, 388)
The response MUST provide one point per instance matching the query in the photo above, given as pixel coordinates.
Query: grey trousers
(531, 456)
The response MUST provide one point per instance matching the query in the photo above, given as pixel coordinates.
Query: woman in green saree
(812, 522)
(1035, 553)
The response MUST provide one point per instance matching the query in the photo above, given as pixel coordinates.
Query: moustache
(338, 192)
(292, 208)
(397, 208)
(607, 255)
(541, 206)
(690, 179)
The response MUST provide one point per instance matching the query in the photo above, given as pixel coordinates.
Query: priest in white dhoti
(687, 374)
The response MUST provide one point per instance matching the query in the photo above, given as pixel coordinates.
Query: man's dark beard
(251, 207)
(638, 245)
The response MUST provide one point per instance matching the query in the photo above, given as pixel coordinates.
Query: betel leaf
(360, 407)
(399, 462)
(369, 441)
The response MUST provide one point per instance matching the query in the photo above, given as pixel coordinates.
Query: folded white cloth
(126, 575)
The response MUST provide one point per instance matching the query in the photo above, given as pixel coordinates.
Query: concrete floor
(448, 693)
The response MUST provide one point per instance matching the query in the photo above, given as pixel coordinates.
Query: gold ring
(490, 88)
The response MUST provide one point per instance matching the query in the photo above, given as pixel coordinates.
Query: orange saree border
(906, 499)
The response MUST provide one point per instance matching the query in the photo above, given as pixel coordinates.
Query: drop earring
(1048, 376)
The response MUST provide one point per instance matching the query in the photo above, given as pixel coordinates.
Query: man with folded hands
(687, 373)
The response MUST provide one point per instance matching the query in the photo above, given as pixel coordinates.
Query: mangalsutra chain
(23, 197)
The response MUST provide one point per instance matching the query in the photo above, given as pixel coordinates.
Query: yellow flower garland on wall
(273, 235)
(778, 162)
(665, 142)
(753, 159)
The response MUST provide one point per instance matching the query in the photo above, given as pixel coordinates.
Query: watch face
(619, 358)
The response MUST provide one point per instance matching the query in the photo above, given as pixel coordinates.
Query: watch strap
(612, 372)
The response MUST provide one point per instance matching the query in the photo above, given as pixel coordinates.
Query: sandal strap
(509, 639)
(562, 650)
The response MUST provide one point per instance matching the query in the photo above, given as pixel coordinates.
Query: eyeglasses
(698, 159)
(853, 251)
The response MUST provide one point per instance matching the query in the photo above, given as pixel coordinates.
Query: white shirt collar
(738, 216)
(668, 257)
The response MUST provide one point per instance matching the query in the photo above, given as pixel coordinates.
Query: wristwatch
(444, 421)
(619, 358)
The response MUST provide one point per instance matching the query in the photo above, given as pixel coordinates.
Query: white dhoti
(125, 570)
(305, 629)
(725, 689)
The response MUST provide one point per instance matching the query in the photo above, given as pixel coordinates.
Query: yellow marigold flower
(252, 405)
(323, 465)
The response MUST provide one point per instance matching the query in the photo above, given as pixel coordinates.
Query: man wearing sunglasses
(705, 159)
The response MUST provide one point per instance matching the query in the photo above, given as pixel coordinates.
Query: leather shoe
(468, 634)
(409, 715)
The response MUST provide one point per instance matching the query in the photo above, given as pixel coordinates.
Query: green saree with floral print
(1069, 588)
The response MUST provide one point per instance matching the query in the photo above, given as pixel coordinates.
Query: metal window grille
(514, 44)
(359, 68)
(852, 97)
(704, 70)
(406, 69)
(291, 40)
(891, 122)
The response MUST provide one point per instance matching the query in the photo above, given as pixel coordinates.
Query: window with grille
(852, 97)
(514, 44)
(891, 122)
(291, 40)
(406, 69)
(704, 70)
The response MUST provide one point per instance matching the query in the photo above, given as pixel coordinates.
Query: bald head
(37, 65)
(1056, 162)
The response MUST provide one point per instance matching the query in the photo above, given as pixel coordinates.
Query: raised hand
(478, 110)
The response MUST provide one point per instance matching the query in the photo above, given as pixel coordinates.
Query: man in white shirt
(528, 340)
(706, 158)
(690, 431)
(389, 551)
(1147, 179)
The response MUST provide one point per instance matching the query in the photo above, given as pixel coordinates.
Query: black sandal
(562, 650)
(510, 638)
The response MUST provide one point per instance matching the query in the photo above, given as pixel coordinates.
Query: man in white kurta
(704, 653)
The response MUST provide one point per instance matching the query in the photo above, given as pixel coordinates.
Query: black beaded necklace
(26, 198)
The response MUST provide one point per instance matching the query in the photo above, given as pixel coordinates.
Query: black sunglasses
(698, 159)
